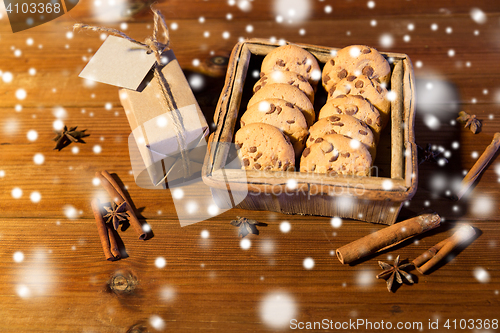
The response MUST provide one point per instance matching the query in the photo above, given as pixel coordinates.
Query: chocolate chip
(379, 89)
(332, 132)
(297, 85)
(313, 167)
(326, 147)
(378, 121)
(333, 158)
(268, 167)
(342, 74)
(242, 123)
(332, 61)
(308, 68)
(259, 154)
(369, 121)
(362, 132)
(290, 121)
(264, 78)
(280, 63)
(359, 84)
(279, 164)
(304, 61)
(339, 124)
(341, 96)
(257, 166)
(285, 166)
(332, 173)
(272, 109)
(366, 51)
(262, 74)
(351, 78)
(311, 139)
(346, 155)
(252, 149)
(351, 109)
(306, 152)
(332, 90)
(318, 140)
(359, 97)
(333, 118)
(257, 88)
(326, 78)
(301, 78)
(299, 63)
(279, 109)
(290, 105)
(246, 162)
(291, 82)
(362, 91)
(368, 71)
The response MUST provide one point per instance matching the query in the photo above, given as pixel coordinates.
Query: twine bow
(153, 45)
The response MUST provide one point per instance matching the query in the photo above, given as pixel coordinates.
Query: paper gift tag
(120, 63)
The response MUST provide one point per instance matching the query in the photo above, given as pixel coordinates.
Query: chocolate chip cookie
(356, 60)
(336, 155)
(290, 78)
(282, 115)
(345, 125)
(356, 106)
(264, 147)
(294, 59)
(372, 90)
(288, 93)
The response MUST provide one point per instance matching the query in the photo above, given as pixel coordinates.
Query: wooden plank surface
(53, 273)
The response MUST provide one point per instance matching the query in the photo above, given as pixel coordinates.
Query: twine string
(153, 45)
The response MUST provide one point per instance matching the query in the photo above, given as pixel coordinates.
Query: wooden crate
(374, 199)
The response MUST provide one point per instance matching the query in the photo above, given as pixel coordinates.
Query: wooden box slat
(372, 199)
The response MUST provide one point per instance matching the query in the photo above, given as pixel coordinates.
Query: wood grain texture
(212, 284)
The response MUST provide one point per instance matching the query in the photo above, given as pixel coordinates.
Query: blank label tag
(120, 63)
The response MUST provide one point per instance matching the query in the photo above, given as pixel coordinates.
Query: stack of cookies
(344, 139)
(275, 126)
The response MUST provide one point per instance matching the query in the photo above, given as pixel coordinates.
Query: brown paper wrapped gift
(168, 127)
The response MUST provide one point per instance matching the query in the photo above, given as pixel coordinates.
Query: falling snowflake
(293, 11)
(160, 262)
(277, 309)
(386, 40)
(478, 15)
(308, 263)
(285, 226)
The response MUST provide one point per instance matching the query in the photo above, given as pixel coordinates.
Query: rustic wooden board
(69, 293)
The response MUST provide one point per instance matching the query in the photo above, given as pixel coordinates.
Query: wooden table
(54, 277)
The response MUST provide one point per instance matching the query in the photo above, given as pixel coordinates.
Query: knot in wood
(123, 283)
(219, 60)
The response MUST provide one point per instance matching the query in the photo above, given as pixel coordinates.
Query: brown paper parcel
(154, 129)
(150, 111)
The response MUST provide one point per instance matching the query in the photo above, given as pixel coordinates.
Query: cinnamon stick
(108, 240)
(479, 166)
(118, 196)
(112, 241)
(435, 254)
(387, 237)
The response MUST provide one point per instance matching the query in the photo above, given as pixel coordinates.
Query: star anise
(116, 214)
(65, 137)
(469, 120)
(428, 154)
(394, 271)
(246, 226)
